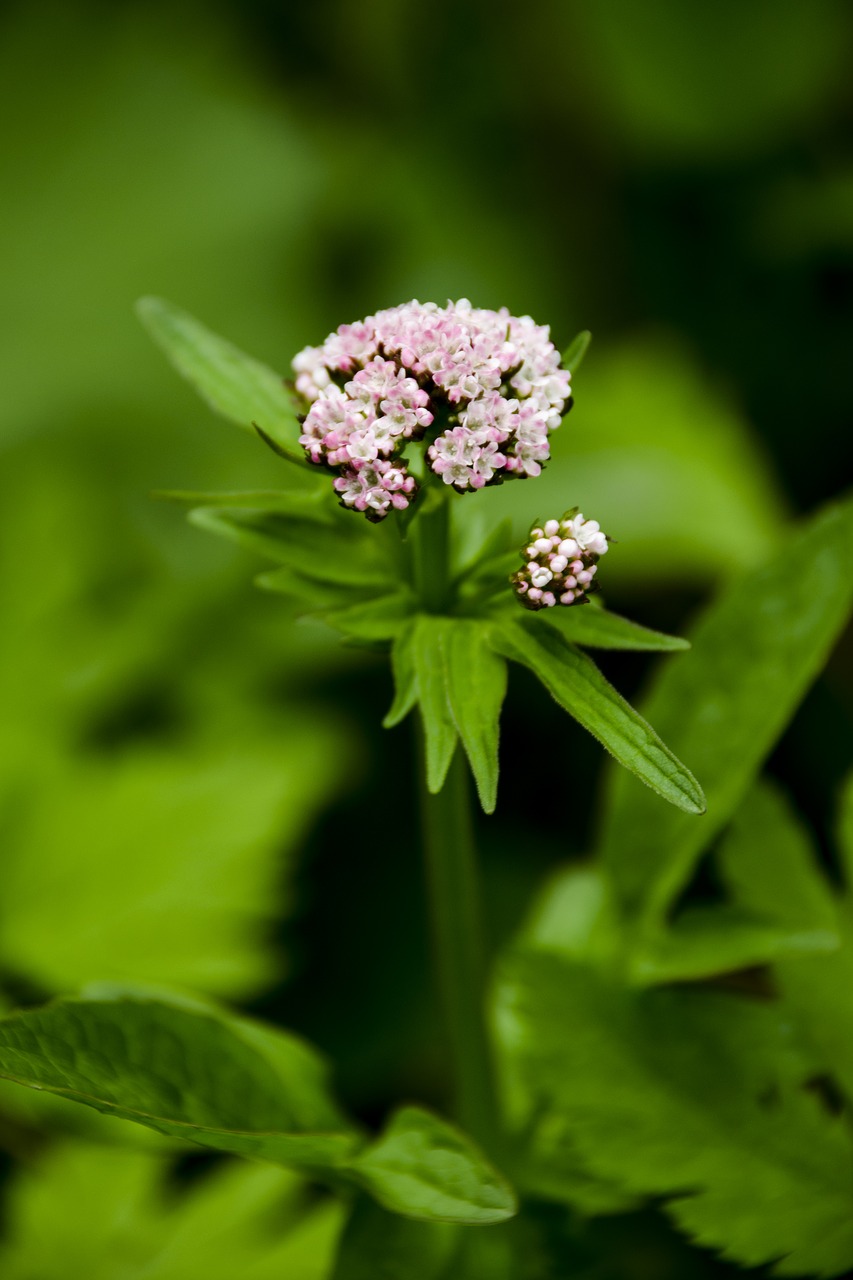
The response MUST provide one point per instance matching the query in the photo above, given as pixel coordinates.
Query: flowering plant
(594, 1072)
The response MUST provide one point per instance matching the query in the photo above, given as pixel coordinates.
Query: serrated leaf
(440, 733)
(233, 384)
(424, 1167)
(405, 679)
(754, 654)
(695, 1097)
(769, 862)
(576, 350)
(594, 628)
(219, 1081)
(476, 686)
(575, 682)
(377, 1245)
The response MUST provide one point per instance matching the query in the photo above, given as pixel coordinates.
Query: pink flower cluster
(561, 561)
(486, 385)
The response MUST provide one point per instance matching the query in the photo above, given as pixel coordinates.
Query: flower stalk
(458, 949)
(430, 540)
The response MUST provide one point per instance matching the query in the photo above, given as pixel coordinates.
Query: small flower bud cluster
(561, 561)
(488, 384)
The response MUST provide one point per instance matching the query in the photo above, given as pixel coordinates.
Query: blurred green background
(184, 771)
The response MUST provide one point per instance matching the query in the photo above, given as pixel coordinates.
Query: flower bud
(562, 556)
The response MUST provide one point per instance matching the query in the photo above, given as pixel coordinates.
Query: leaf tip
(576, 350)
(147, 307)
(695, 803)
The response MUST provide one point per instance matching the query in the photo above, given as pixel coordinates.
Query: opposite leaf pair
(455, 670)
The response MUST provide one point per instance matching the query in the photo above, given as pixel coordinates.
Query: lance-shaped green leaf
(576, 350)
(405, 677)
(693, 1096)
(440, 730)
(753, 656)
(594, 628)
(185, 1071)
(294, 501)
(424, 1167)
(476, 686)
(306, 540)
(382, 618)
(233, 384)
(576, 683)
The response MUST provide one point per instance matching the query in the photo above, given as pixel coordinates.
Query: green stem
(457, 936)
(430, 534)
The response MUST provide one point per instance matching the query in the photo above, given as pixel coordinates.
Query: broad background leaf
(693, 1095)
(89, 1211)
(755, 652)
(165, 863)
(771, 864)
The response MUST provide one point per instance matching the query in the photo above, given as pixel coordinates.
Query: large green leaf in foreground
(722, 708)
(231, 1085)
(690, 1095)
(234, 385)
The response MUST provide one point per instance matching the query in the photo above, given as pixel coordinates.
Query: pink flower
(488, 384)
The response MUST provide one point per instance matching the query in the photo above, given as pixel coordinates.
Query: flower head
(560, 562)
(487, 388)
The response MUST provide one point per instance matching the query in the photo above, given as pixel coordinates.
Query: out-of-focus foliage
(89, 1211)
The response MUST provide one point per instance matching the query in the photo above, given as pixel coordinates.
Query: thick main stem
(457, 935)
(430, 535)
